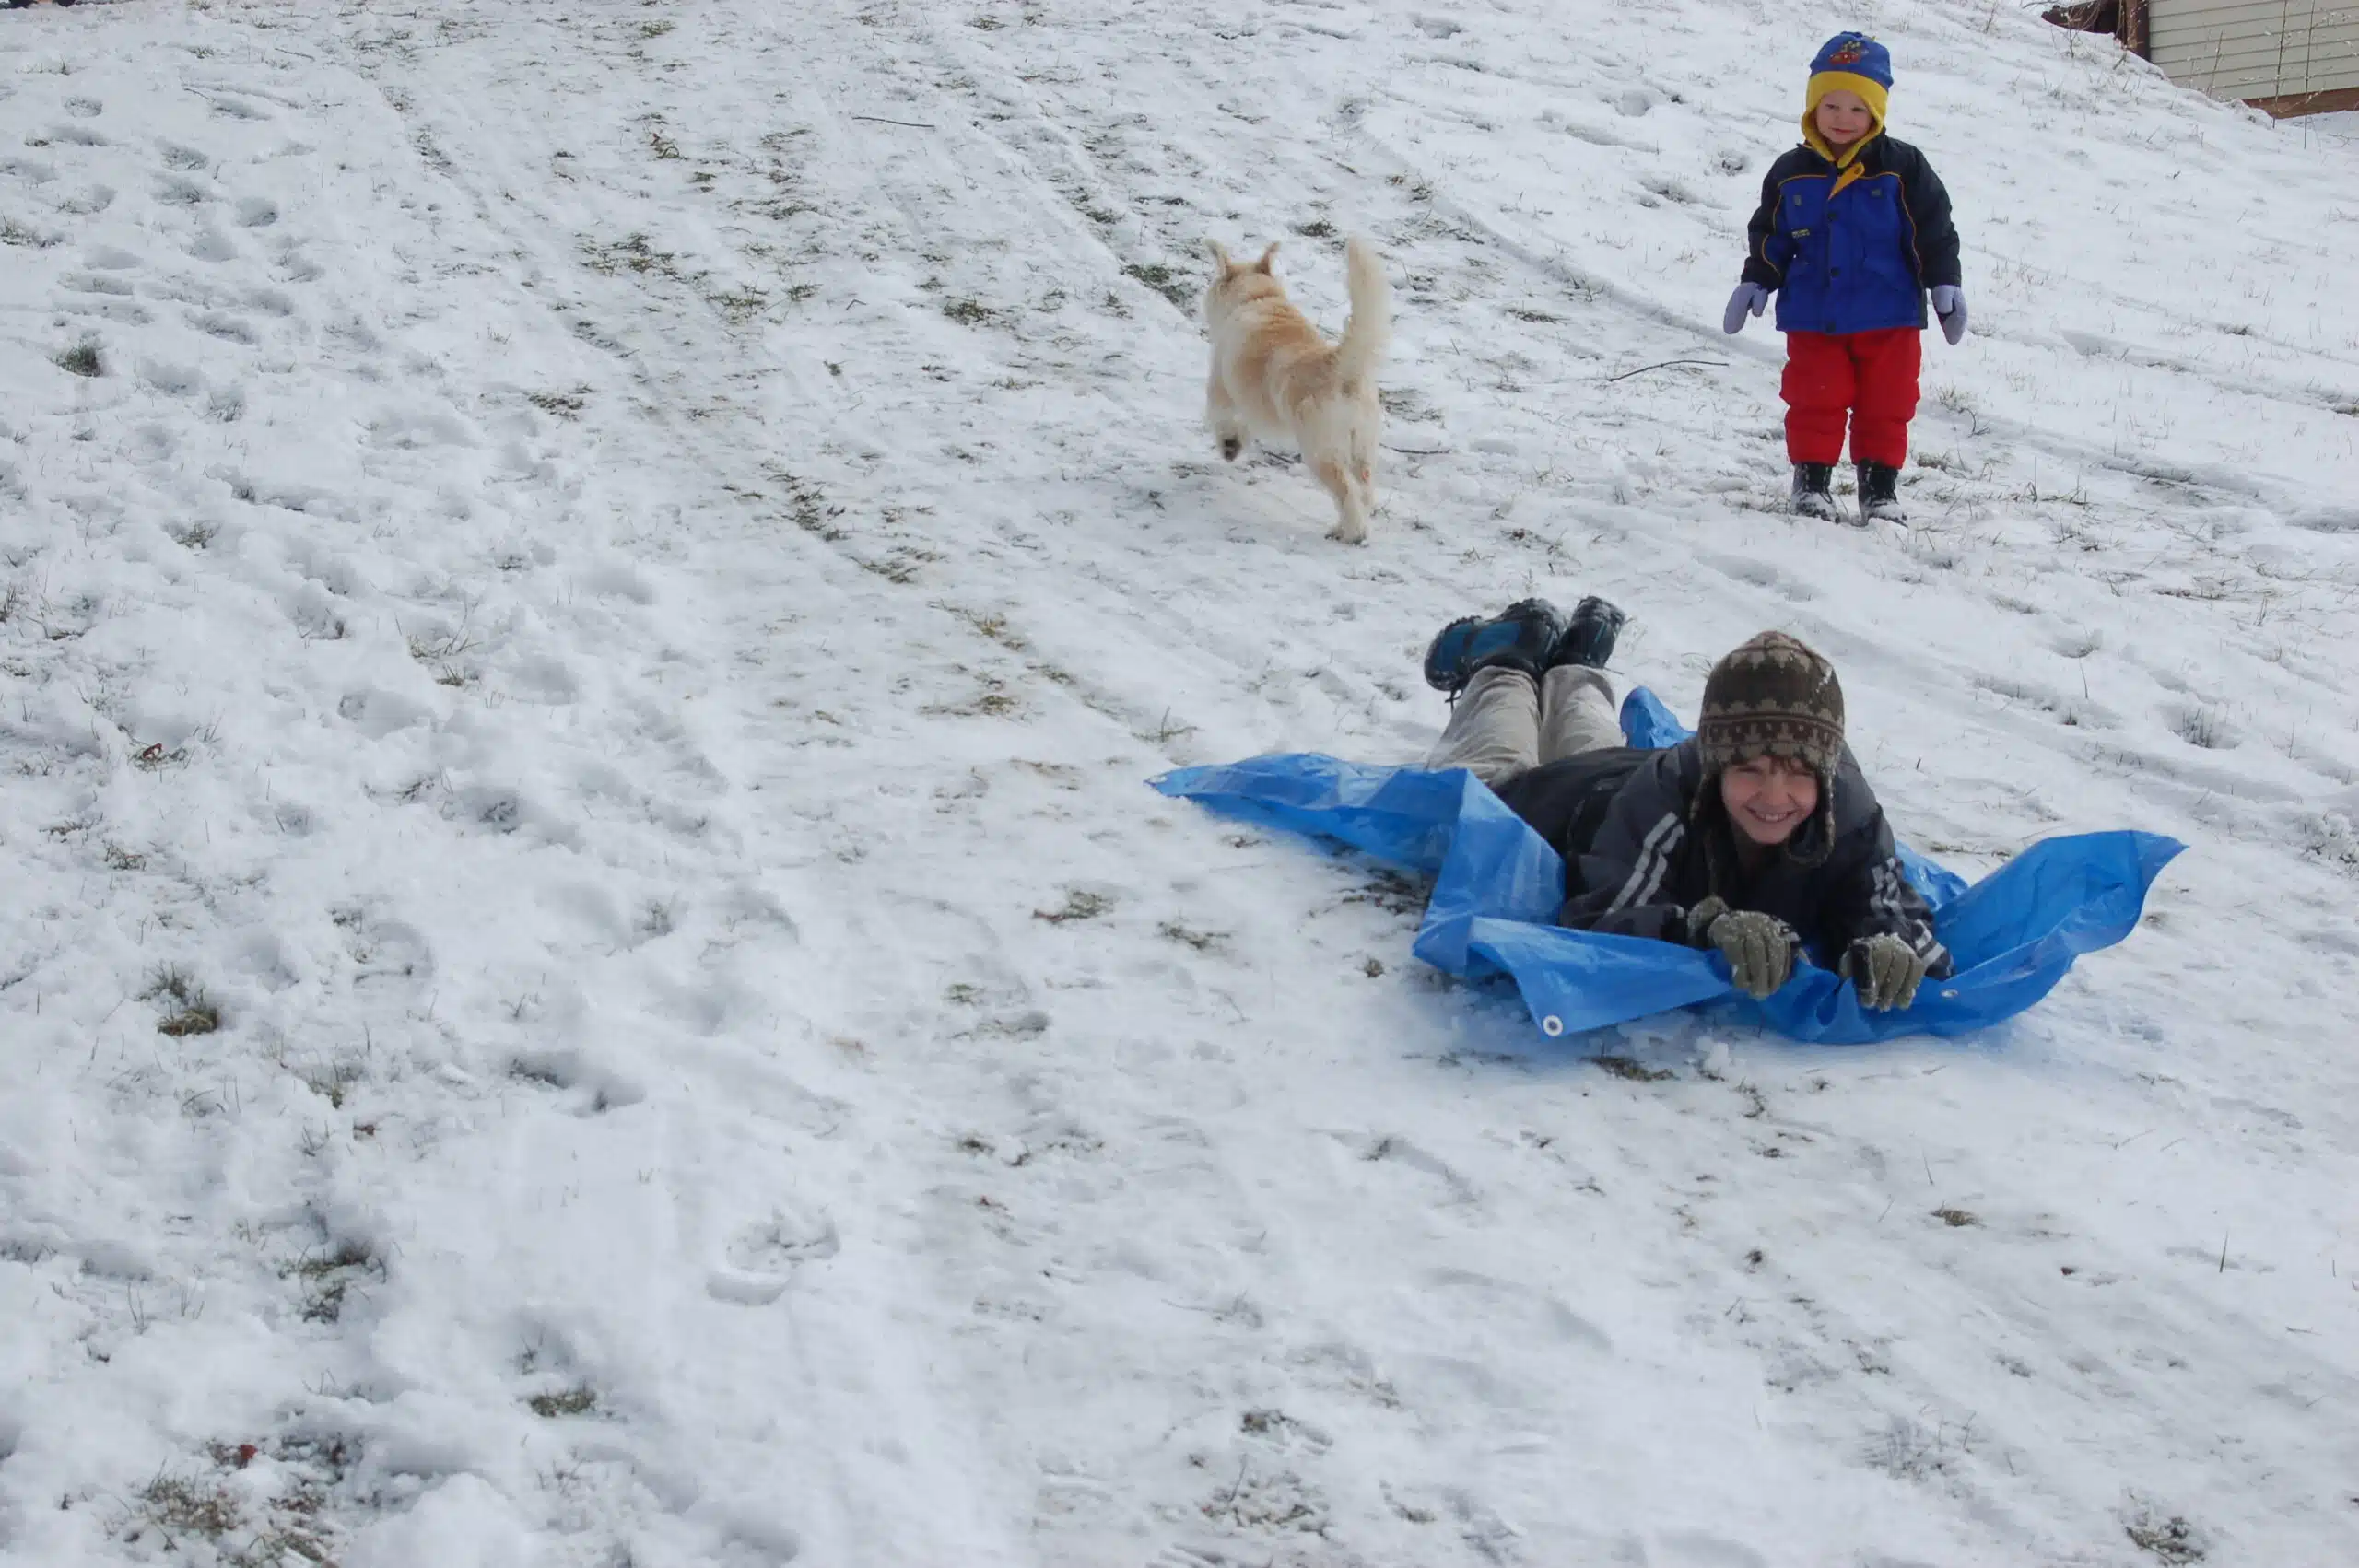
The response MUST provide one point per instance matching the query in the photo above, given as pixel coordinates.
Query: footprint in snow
(760, 1260)
(230, 328)
(585, 1089)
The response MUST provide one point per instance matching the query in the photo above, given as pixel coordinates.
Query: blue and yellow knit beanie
(1849, 61)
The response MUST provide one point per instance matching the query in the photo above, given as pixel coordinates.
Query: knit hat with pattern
(1774, 696)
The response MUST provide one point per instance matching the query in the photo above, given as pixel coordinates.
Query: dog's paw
(1344, 533)
(1230, 446)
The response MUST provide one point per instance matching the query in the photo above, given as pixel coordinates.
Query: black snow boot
(1519, 637)
(1814, 489)
(1880, 494)
(1588, 636)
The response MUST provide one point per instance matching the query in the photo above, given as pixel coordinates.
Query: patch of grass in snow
(808, 506)
(564, 405)
(994, 701)
(1165, 732)
(187, 1506)
(2330, 837)
(739, 305)
(1392, 892)
(1170, 282)
(1956, 1218)
(1272, 1500)
(327, 1275)
(655, 29)
(1078, 906)
(578, 1400)
(990, 624)
(14, 233)
(314, 623)
(1636, 1071)
(632, 253)
(193, 535)
(290, 1533)
(1906, 1451)
(2170, 1541)
(333, 1081)
(1203, 941)
(442, 650)
(969, 313)
(187, 1008)
(82, 359)
(901, 565)
(2206, 728)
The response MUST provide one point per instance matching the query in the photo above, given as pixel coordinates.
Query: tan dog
(1274, 377)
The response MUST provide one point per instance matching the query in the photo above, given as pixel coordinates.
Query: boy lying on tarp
(1757, 836)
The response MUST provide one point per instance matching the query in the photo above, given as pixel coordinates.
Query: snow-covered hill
(587, 592)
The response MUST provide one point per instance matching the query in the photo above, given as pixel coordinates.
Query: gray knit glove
(1885, 969)
(1760, 948)
(1749, 296)
(1949, 309)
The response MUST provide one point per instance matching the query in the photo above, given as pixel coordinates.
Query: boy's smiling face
(1843, 118)
(1769, 798)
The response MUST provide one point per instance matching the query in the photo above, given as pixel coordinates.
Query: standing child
(1853, 229)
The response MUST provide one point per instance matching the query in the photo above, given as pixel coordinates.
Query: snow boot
(1520, 636)
(1588, 636)
(1814, 489)
(1880, 494)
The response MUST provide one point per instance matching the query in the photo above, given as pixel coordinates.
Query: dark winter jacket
(1645, 840)
(1852, 248)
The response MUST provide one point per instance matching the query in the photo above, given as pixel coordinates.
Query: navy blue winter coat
(1854, 247)
(1639, 854)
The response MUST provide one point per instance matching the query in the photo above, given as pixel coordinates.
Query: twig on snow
(1419, 452)
(1721, 364)
(906, 124)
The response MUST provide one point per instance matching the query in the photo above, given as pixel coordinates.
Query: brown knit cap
(1774, 696)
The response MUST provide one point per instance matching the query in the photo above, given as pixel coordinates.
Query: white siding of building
(2256, 48)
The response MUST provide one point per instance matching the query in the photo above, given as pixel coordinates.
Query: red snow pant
(1869, 378)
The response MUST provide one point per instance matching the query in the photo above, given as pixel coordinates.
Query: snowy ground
(591, 978)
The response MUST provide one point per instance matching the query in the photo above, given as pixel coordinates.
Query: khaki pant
(1506, 723)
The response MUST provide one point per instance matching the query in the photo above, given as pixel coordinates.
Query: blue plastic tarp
(1497, 885)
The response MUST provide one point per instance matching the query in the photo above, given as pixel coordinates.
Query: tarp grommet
(1551, 1026)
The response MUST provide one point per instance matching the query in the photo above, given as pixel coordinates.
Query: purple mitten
(1949, 305)
(1749, 297)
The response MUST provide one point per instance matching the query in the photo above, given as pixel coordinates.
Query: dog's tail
(1368, 332)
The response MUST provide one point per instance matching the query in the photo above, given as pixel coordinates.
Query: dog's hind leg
(1364, 465)
(1351, 523)
(1220, 413)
